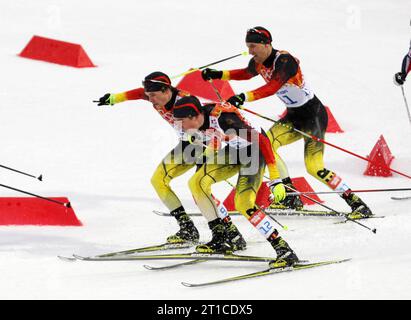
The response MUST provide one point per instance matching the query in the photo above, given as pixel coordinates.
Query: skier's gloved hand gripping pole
(262, 209)
(399, 80)
(323, 141)
(65, 204)
(349, 219)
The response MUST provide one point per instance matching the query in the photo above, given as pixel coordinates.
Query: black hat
(258, 35)
(156, 81)
(188, 106)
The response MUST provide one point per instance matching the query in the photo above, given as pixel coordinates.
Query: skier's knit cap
(258, 35)
(188, 106)
(156, 81)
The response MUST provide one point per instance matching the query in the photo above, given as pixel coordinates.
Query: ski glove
(208, 74)
(107, 99)
(278, 190)
(237, 101)
(399, 78)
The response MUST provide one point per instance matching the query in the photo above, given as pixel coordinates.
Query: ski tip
(149, 267)
(401, 198)
(188, 285)
(340, 260)
(162, 214)
(68, 259)
(67, 205)
(79, 257)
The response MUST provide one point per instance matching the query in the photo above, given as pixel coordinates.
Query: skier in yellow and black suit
(282, 74)
(158, 90)
(247, 152)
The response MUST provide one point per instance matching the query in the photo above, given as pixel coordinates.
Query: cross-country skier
(158, 90)
(399, 77)
(246, 153)
(282, 74)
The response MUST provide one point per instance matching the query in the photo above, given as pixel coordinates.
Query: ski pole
(66, 204)
(262, 209)
(325, 142)
(216, 91)
(329, 208)
(310, 135)
(209, 65)
(40, 177)
(406, 103)
(258, 207)
(355, 191)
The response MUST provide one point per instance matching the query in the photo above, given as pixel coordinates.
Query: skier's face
(191, 123)
(259, 51)
(159, 98)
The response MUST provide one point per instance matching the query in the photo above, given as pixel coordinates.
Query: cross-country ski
(165, 150)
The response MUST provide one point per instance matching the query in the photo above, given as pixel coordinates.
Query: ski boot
(187, 233)
(286, 257)
(219, 242)
(290, 202)
(234, 236)
(358, 207)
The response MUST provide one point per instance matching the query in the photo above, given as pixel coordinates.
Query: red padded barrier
(195, 85)
(34, 211)
(56, 51)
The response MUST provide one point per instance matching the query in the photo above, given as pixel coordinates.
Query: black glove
(399, 78)
(237, 100)
(104, 100)
(208, 74)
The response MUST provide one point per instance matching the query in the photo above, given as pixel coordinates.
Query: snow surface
(103, 158)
